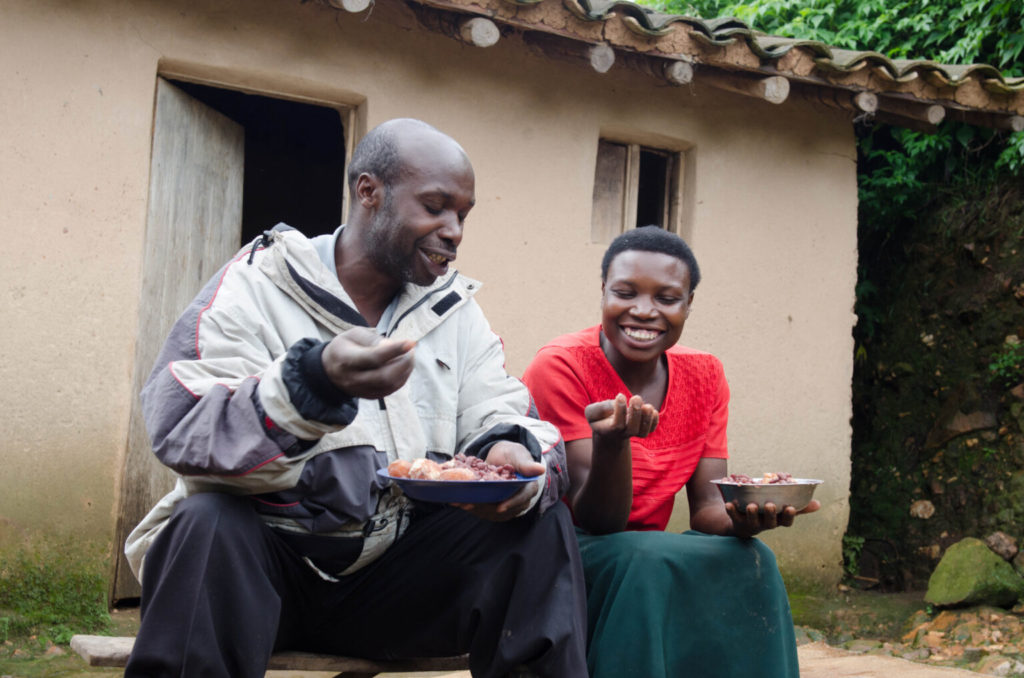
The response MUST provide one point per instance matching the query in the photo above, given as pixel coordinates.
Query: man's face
(417, 228)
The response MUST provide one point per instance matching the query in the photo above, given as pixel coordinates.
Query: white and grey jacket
(238, 401)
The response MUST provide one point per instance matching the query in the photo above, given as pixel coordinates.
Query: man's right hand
(364, 364)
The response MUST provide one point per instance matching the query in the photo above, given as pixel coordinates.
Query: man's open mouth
(438, 259)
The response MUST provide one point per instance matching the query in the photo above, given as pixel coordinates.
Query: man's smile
(439, 259)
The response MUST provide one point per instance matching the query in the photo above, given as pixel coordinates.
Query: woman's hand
(601, 467)
(709, 514)
(750, 521)
(619, 420)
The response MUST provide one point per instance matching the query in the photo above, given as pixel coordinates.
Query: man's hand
(617, 419)
(364, 364)
(508, 452)
(749, 522)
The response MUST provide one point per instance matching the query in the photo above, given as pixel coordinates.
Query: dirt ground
(817, 660)
(880, 636)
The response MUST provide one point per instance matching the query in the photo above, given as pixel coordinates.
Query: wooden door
(193, 226)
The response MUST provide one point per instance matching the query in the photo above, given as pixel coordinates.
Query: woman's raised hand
(620, 419)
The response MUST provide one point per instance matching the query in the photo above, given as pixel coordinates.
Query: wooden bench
(113, 651)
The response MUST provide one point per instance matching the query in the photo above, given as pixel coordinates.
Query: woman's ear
(689, 305)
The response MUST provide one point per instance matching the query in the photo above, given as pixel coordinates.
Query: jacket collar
(293, 265)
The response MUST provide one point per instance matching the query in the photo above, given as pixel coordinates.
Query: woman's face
(645, 302)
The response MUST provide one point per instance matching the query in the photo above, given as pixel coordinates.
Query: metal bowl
(796, 493)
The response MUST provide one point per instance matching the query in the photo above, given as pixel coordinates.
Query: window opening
(634, 186)
(652, 188)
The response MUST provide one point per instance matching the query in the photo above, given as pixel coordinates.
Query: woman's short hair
(652, 239)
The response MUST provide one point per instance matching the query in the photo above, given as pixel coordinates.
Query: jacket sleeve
(494, 405)
(228, 402)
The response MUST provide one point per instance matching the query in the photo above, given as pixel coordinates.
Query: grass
(855, 614)
(48, 593)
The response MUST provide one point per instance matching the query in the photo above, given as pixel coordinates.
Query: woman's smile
(641, 334)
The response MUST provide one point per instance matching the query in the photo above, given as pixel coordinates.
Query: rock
(951, 419)
(916, 621)
(974, 654)
(923, 509)
(913, 636)
(805, 634)
(881, 651)
(944, 621)
(1002, 544)
(963, 632)
(917, 655)
(861, 646)
(1014, 498)
(971, 574)
(998, 665)
(973, 421)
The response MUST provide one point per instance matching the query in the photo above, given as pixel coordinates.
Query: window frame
(616, 187)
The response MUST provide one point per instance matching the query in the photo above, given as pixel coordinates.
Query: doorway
(294, 160)
(225, 166)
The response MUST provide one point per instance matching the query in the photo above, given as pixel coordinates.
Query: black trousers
(221, 591)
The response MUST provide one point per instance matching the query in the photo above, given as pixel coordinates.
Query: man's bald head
(379, 152)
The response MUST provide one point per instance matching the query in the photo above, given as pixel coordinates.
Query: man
(277, 403)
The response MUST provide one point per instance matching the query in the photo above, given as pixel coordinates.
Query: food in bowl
(459, 467)
(767, 479)
(780, 489)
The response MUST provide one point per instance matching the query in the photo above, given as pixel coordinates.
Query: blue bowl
(458, 491)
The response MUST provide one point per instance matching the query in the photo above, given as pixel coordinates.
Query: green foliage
(1007, 365)
(852, 546)
(52, 595)
(897, 163)
(948, 31)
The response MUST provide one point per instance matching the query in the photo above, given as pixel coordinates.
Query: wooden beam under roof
(685, 54)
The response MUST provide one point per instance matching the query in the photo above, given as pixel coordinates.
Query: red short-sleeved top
(572, 371)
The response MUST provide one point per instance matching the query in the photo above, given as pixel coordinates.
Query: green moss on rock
(971, 574)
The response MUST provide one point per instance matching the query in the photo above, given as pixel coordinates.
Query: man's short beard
(383, 250)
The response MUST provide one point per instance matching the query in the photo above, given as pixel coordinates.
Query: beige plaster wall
(773, 223)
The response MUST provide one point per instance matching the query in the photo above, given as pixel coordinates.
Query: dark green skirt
(666, 605)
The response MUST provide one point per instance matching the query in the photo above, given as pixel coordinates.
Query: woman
(643, 417)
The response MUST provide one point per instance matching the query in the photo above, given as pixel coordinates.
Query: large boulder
(971, 574)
